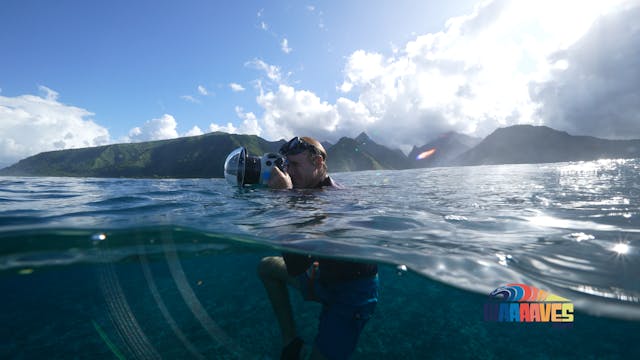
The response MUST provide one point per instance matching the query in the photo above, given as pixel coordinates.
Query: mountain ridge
(448, 146)
(203, 156)
(526, 144)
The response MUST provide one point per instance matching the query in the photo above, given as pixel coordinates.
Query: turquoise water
(121, 268)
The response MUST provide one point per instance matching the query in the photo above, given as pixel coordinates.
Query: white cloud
(284, 45)
(471, 77)
(229, 128)
(345, 87)
(465, 78)
(272, 71)
(248, 126)
(236, 87)
(354, 117)
(289, 112)
(195, 131)
(31, 124)
(48, 93)
(155, 129)
(363, 67)
(202, 91)
(190, 99)
(264, 26)
(249, 122)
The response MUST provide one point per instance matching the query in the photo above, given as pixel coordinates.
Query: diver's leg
(273, 273)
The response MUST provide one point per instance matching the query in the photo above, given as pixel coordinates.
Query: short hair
(321, 151)
(316, 144)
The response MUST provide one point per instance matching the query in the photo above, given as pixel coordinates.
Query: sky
(78, 73)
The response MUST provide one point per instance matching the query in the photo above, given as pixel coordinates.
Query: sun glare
(569, 20)
(621, 248)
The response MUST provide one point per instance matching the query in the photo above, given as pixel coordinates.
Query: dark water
(119, 268)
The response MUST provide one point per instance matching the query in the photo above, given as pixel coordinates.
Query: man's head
(307, 161)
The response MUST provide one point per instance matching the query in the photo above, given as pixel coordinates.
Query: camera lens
(252, 170)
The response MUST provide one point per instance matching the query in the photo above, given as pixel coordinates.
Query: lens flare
(426, 154)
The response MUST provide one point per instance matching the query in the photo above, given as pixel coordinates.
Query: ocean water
(140, 268)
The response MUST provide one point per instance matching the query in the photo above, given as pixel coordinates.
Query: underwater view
(140, 268)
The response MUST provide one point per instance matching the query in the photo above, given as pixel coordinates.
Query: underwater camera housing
(242, 169)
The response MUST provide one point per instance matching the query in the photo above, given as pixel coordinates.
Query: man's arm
(279, 180)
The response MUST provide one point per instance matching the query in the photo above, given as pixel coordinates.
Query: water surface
(144, 268)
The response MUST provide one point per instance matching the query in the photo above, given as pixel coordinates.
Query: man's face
(302, 170)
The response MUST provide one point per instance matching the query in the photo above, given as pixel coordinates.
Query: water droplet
(401, 269)
(25, 271)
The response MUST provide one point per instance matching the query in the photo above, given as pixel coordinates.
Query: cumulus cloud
(229, 128)
(249, 122)
(284, 45)
(31, 124)
(595, 88)
(248, 126)
(465, 79)
(155, 129)
(236, 87)
(491, 68)
(486, 14)
(195, 131)
(288, 112)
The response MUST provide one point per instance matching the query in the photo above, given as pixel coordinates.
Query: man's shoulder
(329, 182)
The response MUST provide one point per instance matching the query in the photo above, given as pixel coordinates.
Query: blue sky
(131, 61)
(78, 73)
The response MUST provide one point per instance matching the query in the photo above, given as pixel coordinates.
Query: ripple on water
(388, 223)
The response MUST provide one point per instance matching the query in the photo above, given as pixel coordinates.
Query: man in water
(348, 291)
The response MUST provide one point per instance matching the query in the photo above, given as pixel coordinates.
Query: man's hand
(279, 180)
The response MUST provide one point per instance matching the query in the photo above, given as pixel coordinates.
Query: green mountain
(203, 156)
(527, 144)
(387, 158)
(348, 155)
(326, 144)
(188, 157)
